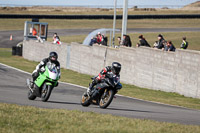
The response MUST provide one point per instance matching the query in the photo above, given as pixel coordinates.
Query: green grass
(18, 24)
(16, 118)
(128, 90)
(71, 38)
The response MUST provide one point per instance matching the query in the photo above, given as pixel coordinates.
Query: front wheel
(106, 98)
(31, 96)
(46, 92)
(85, 100)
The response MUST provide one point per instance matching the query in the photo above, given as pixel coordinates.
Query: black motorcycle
(102, 94)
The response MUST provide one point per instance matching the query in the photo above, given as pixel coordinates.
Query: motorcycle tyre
(109, 100)
(31, 96)
(48, 93)
(84, 102)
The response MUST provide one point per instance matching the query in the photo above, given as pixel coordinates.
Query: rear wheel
(85, 100)
(31, 96)
(46, 92)
(106, 98)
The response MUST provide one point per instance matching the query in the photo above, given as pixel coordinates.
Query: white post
(124, 21)
(114, 22)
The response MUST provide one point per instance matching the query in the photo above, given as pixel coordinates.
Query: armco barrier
(145, 67)
(175, 16)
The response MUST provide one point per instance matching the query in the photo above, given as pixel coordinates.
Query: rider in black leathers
(53, 56)
(114, 69)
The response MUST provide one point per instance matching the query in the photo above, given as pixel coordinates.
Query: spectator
(105, 40)
(166, 47)
(93, 40)
(143, 42)
(126, 41)
(160, 43)
(99, 38)
(123, 41)
(56, 39)
(169, 46)
(34, 32)
(184, 44)
(119, 40)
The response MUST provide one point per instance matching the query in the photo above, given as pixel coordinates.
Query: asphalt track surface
(66, 96)
(18, 34)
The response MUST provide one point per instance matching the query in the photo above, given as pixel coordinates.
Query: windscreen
(52, 67)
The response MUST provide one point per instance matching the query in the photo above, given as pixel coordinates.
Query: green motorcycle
(44, 84)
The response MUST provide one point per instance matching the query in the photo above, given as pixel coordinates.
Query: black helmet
(116, 67)
(53, 56)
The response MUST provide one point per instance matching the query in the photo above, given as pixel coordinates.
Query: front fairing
(111, 81)
(50, 75)
(52, 71)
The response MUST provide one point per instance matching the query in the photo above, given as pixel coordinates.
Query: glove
(42, 70)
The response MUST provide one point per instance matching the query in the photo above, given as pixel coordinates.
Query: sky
(95, 2)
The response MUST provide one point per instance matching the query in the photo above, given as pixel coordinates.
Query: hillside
(192, 6)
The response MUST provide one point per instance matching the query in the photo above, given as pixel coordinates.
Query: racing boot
(32, 85)
(91, 86)
(89, 90)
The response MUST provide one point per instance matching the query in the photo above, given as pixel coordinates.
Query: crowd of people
(161, 43)
(126, 41)
(56, 38)
(168, 45)
(99, 39)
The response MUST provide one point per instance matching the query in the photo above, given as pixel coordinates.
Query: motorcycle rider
(53, 56)
(114, 69)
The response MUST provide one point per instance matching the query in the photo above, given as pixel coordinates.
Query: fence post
(68, 56)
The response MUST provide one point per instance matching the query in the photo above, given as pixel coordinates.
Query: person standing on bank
(184, 44)
(126, 41)
(169, 46)
(161, 42)
(56, 39)
(143, 42)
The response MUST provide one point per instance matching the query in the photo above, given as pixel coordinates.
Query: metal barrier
(20, 16)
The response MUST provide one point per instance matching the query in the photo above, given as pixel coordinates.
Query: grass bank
(18, 24)
(128, 90)
(16, 118)
(175, 37)
(90, 11)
